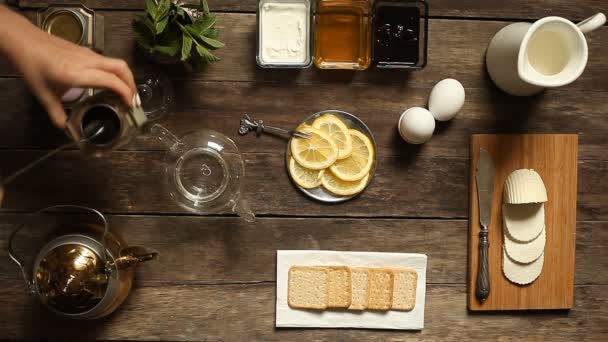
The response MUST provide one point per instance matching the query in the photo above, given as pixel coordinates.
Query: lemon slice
(343, 188)
(338, 131)
(317, 152)
(359, 163)
(304, 177)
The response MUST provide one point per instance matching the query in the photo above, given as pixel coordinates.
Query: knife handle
(483, 274)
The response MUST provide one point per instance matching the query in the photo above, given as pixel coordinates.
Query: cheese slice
(524, 186)
(522, 274)
(525, 252)
(523, 222)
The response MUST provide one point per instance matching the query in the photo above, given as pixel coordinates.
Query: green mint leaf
(145, 21)
(189, 29)
(205, 7)
(168, 50)
(212, 42)
(143, 36)
(161, 25)
(186, 46)
(151, 8)
(212, 33)
(206, 55)
(205, 24)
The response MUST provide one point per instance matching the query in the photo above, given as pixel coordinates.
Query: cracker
(404, 289)
(339, 287)
(359, 282)
(380, 289)
(308, 287)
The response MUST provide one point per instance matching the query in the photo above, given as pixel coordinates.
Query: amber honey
(343, 34)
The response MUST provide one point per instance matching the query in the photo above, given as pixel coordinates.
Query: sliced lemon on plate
(343, 188)
(306, 178)
(317, 152)
(359, 163)
(337, 130)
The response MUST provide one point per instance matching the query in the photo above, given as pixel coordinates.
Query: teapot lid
(70, 278)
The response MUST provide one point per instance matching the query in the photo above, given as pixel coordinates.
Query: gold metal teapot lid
(71, 278)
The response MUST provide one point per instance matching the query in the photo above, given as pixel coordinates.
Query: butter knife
(485, 190)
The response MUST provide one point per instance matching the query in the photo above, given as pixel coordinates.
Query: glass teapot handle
(11, 253)
(241, 207)
(168, 139)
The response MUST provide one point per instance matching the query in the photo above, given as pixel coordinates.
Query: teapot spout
(133, 256)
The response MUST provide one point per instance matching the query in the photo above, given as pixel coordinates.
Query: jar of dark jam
(399, 35)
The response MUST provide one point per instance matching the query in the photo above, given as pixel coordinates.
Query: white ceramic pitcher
(523, 58)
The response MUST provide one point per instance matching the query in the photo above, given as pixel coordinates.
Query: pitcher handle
(592, 23)
(11, 253)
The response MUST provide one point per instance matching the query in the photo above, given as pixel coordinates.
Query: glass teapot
(204, 171)
(81, 270)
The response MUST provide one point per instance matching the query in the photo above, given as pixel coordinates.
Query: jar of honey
(343, 34)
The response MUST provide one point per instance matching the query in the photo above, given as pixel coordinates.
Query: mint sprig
(167, 28)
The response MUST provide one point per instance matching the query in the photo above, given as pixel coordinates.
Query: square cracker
(359, 277)
(404, 289)
(307, 287)
(380, 289)
(339, 287)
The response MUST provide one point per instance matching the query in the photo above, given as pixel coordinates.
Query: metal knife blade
(485, 187)
(485, 191)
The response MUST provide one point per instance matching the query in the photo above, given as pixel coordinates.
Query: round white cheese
(522, 274)
(525, 252)
(524, 186)
(523, 222)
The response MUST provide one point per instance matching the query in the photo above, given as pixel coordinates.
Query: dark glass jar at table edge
(400, 34)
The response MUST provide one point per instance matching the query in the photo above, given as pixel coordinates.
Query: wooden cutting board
(554, 157)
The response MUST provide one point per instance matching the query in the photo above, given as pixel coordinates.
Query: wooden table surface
(215, 279)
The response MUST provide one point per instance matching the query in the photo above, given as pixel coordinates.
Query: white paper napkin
(288, 317)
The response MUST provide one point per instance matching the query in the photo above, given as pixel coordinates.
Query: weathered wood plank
(456, 50)
(131, 182)
(467, 8)
(225, 250)
(246, 313)
(219, 106)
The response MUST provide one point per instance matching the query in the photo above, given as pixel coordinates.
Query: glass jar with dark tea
(82, 270)
(120, 122)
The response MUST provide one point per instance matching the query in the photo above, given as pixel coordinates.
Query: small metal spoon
(90, 132)
(248, 124)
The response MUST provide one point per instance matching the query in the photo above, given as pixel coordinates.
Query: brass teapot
(83, 271)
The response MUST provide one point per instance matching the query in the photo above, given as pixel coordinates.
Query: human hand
(51, 66)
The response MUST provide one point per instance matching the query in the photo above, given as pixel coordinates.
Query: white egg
(416, 125)
(447, 99)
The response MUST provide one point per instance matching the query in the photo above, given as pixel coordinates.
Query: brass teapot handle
(11, 253)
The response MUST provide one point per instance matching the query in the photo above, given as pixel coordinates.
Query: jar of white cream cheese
(284, 33)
